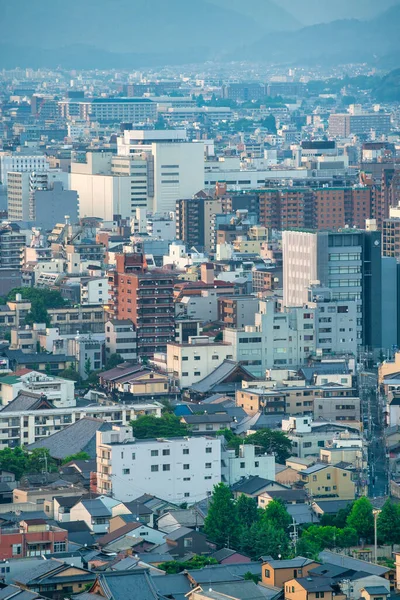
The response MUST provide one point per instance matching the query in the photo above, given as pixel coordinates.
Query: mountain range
(139, 33)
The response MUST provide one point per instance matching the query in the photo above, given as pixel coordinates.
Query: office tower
(194, 221)
(146, 298)
(349, 263)
(175, 166)
(345, 124)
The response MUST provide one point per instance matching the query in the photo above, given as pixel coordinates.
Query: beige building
(278, 572)
(328, 481)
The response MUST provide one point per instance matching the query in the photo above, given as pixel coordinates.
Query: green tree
(70, 374)
(273, 442)
(77, 456)
(347, 537)
(40, 460)
(148, 426)
(361, 519)
(113, 361)
(276, 514)
(247, 511)
(308, 548)
(196, 562)
(251, 577)
(388, 523)
(37, 314)
(13, 460)
(269, 540)
(88, 367)
(221, 524)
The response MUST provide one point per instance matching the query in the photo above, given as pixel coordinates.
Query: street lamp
(375, 512)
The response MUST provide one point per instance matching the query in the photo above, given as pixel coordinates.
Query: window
(197, 358)
(242, 465)
(154, 468)
(185, 374)
(188, 542)
(314, 478)
(166, 467)
(207, 477)
(166, 452)
(59, 547)
(186, 467)
(185, 451)
(267, 573)
(256, 464)
(208, 465)
(186, 479)
(328, 475)
(154, 453)
(197, 373)
(133, 456)
(185, 358)
(186, 494)
(208, 450)
(16, 549)
(126, 471)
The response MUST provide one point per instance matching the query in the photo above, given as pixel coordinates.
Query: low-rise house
(322, 480)
(133, 529)
(174, 519)
(292, 496)
(311, 588)
(95, 514)
(250, 461)
(226, 556)
(57, 390)
(55, 579)
(183, 541)
(278, 572)
(207, 424)
(255, 486)
(355, 564)
(30, 537)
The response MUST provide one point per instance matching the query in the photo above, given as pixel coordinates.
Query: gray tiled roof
(96, 508)
(219, 374)
(78, 437)
(24, 401)
(38, 570)
(128, 584)
(351, 563)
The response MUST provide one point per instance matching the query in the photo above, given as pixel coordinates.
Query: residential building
(192, 362)
(94, 290)
(30, 417)
(322, 480)
(54, 579)
(203, 307)
(88, 353)
(278, 572)
(59, 391)
(12, 240)
(31, 537)
(145, 298)
(263, 401)
(237, 311)
(194, 221)
(310, 588)
(138, 111)
(179, 469)
(391, 237)
(95, 513)
(23, 163)
(249, 462)
(121, 339)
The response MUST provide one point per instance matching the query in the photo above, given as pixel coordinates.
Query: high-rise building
(349, 263)
(138, 111)
(194, 221)
(145, 298)
(21, 163)
(345, 124)
(391, 237)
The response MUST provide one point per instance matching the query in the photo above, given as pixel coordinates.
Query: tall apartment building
(194, 221)
(21, 163)
(12, 241)
(145, 298)
(178, 469)
(121, 339)
(391, 237)
(349, 263)
(346, 124)
(175, 166)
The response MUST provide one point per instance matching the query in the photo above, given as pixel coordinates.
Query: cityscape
(200, 300)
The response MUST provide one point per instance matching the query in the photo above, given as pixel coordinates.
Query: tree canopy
(77, 456)
(361, 519)
(388, 523)
(270, 441)
(168, 425)
(221, 523)
(41, 300)
(20, 462)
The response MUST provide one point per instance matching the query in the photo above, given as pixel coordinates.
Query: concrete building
(94, 290)
(178, 470)
(175, 165)
(29, 418)
(32, 195)
(249, 463)
(191, 362)
(328, 481)
(12, 240)
(237, 311)
(348, 262)
(49, 206)
(121, 339)
(345, 124)
(138, 111)
(203, 307)
(88, 352)
(194, 221)
(22, 163)
(145, 298)
(59, 391)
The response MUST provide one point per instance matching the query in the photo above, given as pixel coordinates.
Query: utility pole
(294, 536)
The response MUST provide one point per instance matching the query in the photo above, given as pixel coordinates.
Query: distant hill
(266, 13)
(310, 12)
(388, 89)
(344, 41)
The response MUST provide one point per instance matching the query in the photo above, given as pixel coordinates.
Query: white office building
(177, 470)
(22, 189)
(21, 163)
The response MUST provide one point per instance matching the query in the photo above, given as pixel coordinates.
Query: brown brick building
(146, 298)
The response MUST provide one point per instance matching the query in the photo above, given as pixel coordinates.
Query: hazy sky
(317, 11)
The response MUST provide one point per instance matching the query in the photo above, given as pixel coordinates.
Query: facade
(178, 470)
(344, 125)
(21, 163)
(94, 290)
(194, 221)
(191, 362)
(328, 481)
(121, 339)
(250, 462)
(88, 353)
(50, 205)
(391, 237)
(349, 263)
(138, 111)
(40, 196)
(12, 241)
(59, 391)
(146, 299)
(31, 537)
(21, 427)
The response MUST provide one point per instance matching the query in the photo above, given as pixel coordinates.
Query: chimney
(207, 273)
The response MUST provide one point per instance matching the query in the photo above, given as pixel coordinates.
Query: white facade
(178, 470)
(204, 307)
(175, 166)
(247, 464)
(192, 362)
(88, 352)
(299, 266)
(21, 163)
(26, 427)
(121, 339)
(59, 391)
(21, 189)
(180, 257)
(94, 291)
